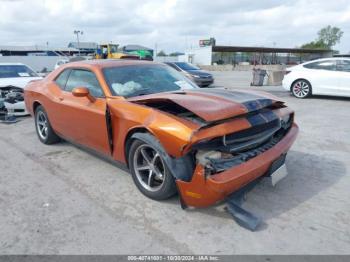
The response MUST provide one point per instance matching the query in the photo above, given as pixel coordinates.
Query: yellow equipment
(110, 51)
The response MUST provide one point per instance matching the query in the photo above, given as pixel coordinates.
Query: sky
(172, 25)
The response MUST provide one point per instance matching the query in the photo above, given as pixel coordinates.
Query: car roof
(102, 63)
(328, 58)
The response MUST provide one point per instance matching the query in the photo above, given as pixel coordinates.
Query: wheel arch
(128, 140)
(181, 168)
(35, 106)
(51, 137)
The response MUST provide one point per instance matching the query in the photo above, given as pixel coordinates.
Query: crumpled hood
(17, 81)
(212, 104)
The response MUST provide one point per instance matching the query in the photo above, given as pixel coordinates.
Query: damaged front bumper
(12, 101)
(204, 190)
(16, 109)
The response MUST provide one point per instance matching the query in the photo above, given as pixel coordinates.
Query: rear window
(186, 66)
(343, 65)
(7, 71)
(61, 80)
(173, 66)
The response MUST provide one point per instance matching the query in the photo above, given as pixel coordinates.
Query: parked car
(13, 78)
(61, 62)
(66, 60)
(200, 77)
(328, 76)
(172, 135)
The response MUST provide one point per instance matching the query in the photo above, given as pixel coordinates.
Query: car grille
(219, 165)
(239, 147)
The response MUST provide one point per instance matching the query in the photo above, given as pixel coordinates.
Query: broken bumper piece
(242, 216)
(204, 190)
(8, 119)
(16, 109)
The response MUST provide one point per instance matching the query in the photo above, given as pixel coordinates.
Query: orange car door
(83, 120)
(53, 104)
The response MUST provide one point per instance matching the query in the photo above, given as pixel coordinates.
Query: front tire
(301, 88)
(149, 170)
(43, 127)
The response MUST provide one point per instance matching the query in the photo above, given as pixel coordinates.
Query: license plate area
(278, 170)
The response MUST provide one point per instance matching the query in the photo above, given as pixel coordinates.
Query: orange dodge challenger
(204, 143)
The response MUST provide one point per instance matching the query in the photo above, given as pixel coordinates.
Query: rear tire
(301, 88)
(43, 127)
(149, 170)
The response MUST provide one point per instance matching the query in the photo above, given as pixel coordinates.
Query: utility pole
(77, 32)
(155, 51)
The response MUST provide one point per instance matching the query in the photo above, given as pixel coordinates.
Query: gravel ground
(62, 200)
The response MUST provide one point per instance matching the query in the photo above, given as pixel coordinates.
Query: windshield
(186, 66)
(113, 48)
(137, 80)
(16, 71)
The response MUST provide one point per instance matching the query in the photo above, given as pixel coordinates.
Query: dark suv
(200, 77)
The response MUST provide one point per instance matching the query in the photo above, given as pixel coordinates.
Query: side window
(61, 80)
(325, 65)
(343, 65)
(84, 78)
(310, 65)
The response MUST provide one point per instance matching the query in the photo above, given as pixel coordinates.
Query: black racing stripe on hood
(262, 118)
(257, 104)
(236, 96)
(250, 101)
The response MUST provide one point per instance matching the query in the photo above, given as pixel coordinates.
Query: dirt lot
(62, 200)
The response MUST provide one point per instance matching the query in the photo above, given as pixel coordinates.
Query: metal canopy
(266, 49)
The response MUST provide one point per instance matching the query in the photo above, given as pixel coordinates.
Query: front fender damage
(232, 143)
(181, 167)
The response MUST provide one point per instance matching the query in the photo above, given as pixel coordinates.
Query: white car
(61, 62)
(13, 78)
(326, 76)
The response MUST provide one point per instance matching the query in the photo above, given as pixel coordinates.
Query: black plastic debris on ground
(8, 119)
(234, 203)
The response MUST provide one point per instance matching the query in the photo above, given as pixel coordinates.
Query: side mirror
(82, 92)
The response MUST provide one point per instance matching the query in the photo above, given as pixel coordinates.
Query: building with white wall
(198, 56)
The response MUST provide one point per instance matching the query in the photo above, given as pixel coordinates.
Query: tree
(327, 38)
(176, 54)
(161, 53)
(315, 45)
(330, 35)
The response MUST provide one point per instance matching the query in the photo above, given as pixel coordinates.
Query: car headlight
(286, 121)
(203, 156)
